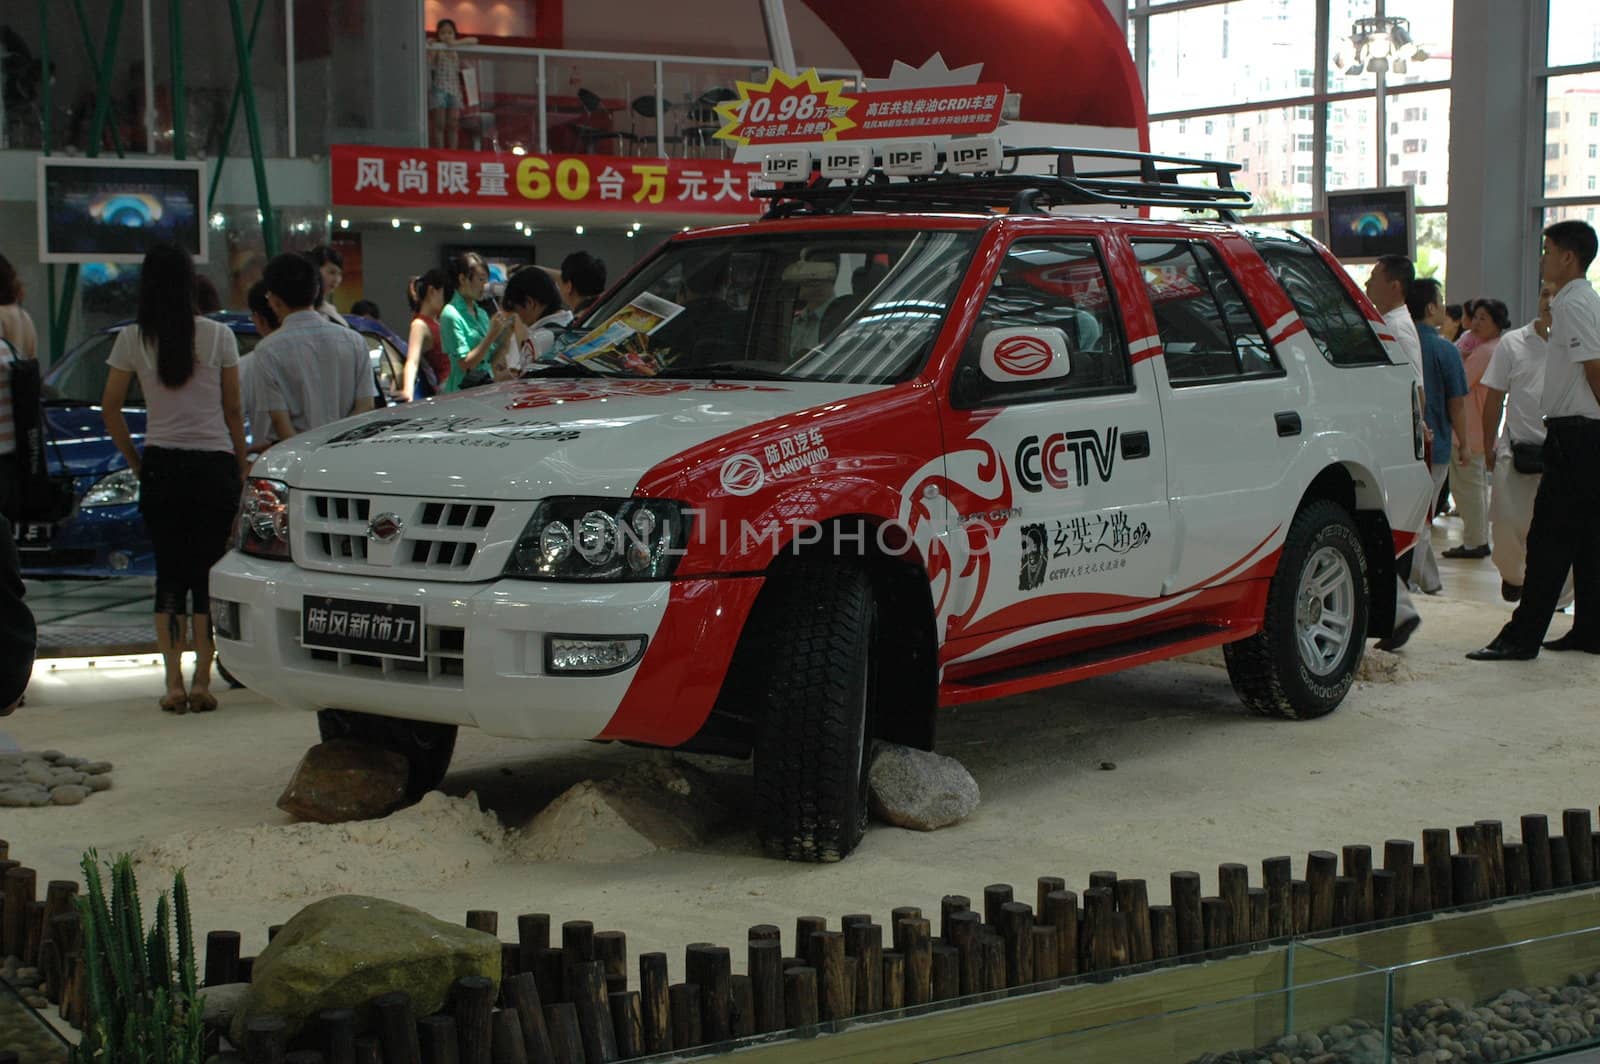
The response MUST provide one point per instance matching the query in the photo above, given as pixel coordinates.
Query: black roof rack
(1148, 181)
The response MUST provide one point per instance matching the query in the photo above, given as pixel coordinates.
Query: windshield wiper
(718, 370)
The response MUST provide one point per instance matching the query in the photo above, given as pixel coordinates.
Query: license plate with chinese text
(351, 626)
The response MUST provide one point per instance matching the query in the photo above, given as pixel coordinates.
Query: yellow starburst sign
(786, 108)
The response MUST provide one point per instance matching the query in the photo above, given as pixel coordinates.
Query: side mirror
(966, 390)
(1018, 356)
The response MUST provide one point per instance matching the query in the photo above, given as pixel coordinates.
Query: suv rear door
(1082, 526)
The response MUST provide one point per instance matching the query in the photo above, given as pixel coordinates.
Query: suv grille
(439, 538)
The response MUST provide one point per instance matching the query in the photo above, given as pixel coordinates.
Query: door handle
(1288, 423)
(1135, 445)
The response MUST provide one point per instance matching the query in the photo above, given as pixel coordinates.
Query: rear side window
(1337, 326)
(1208, 334)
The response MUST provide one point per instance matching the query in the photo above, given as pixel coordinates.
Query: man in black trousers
(17, 633)
(1565, 532)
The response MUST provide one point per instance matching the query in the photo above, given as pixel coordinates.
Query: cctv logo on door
(1065, 458)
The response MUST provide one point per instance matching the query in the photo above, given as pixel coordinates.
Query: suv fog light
(119, 560)
(592, 654)
(225, 618)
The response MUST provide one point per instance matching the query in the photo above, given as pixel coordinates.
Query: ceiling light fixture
(1378, 46)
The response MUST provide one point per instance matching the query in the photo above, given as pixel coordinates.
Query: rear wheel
(426, 746)
(1304, 659)
(813, 630)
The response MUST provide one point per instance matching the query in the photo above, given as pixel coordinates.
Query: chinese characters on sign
(366, 176)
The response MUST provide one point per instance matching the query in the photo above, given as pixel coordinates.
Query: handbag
(43, 496)
(1527, 458)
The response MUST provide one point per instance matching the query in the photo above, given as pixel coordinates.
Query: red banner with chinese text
(794, 109)
(423, 177)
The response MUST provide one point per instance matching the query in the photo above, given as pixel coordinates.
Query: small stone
(27, 977)
(51, 755)
(1108, 766)
(1310, 1044)
(69, 795)
(344, 779)
(221, 1002)
(38, 773)
(921, 790)
(97, 783)
(74, 762)
(95, 768)
(74, 778)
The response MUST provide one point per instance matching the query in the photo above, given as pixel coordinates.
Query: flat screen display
(115, 210)
(1366, 224)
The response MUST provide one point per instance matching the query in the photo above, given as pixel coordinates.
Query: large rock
(342, 952)
(344, 780)
(916, 789)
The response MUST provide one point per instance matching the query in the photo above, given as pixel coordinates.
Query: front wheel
(1303, 661)
(427, 746)
(815, 627)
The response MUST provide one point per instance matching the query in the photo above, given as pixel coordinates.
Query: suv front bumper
(485, 651)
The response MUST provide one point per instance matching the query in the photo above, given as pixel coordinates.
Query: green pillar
(269, 224)
(233, 112)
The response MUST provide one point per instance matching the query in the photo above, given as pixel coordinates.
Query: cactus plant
(144, 1002)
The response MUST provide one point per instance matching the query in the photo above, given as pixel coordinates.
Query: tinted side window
(1058, 284)
(1207, 332)
(1336, 325)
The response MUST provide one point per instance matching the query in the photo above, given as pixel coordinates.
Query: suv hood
(530, 439)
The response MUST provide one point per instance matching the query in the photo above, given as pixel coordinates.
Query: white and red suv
(799, 483)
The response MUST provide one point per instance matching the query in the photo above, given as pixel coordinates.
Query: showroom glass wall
(1570, 80)
(1258, 82)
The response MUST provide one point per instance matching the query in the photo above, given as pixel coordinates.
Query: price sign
(786, 108)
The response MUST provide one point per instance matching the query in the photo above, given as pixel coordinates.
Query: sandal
(174, 703)
(202, 702)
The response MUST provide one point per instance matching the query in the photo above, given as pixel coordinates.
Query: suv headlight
(576, 537)
(114, 489)
(263, 526)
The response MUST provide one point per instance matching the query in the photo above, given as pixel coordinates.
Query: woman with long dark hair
(194, 455)
(424, 347)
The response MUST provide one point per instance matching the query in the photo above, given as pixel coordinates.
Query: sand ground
(1196, 782)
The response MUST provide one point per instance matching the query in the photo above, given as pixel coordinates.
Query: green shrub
(144, 1002)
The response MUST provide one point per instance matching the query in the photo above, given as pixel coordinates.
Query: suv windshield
(850, 307)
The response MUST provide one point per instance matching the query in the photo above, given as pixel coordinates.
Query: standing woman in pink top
(1469, 482)
(194, 455)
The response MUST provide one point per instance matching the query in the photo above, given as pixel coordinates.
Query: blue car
(104, 536)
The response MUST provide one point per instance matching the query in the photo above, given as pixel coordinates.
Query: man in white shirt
(1565, 530)
(1514, 381)
(1387, 286)
(310, 371)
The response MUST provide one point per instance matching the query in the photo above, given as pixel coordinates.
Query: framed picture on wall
(1365, 224)
(114, 210)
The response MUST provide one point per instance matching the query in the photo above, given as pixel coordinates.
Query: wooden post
(744, 1001)
(1258, 914)
(611, 950)
(849, 920)
(1061, 912)
(1322, 868)
(397, 1028)
(59, 895)
(222, 958)
(1358, 866)
(1467, 878)
(950, 903)
(1470, 840)
(1536, 842)
(1560, 862)
(566, 1038)
(1016, 928)
(766, 933)
(800, 998)
(1046, 886)
(947, 968)
(1044, 954)
(1099, 929)
(588, 981)
(916, 946)
(1163, 932)
(894, 982)
(654, 1005)
(685, 1012)
(577, 942)
(766, 981)
(338, 1035)
(627, 1022)
(994, 896)
(1108, 880)
(533, 935)
(550, 972)
(1382, 894)
(1216, 915)
(510, 958)
(1344, 901)
(1133, 901)
(266, 1039)
(1436, 857)
(716, 994)
(827, 953)
(1300, 906)
(506, 1038)
(992, 948)
(1398, 857)
(303, 1056)
(904, 912)
(1516, 862)
(1491, 842)
(1233, 885)
(964, 932)
(803, 927)
(369, 1050)
(864, 942)
(484, 920)
(437, 1039)
(522, 994)
(20, 885)
(1576, 826)
(1186, 911)
(472, 1005)
(1276, 872)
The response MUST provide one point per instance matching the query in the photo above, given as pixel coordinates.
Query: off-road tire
(426, 746)
(1268, 671)
(816, 623)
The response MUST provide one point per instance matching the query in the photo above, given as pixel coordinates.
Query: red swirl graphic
(1022, 356)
